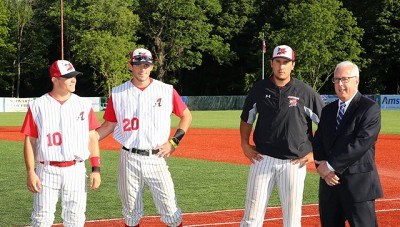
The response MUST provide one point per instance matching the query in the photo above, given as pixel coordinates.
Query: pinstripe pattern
(62, 125)
(143, 122)
(136, 171)
(263, 176)
(63, 135)
(151, 116)
(69, 183)
(283, 131)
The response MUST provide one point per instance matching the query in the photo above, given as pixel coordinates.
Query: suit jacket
(351, 149)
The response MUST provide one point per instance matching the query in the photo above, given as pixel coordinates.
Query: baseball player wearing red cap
(138, 112)
(59, 130)
(285, 108)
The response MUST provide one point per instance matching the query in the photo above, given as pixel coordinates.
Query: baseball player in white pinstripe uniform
(286, 108)
(60, 135)
(139, 114)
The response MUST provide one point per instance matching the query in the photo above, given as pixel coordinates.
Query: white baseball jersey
(63, 129)
(143, 122)
(62, 135)
(142, 116)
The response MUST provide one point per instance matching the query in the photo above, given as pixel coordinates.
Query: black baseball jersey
(284, 122)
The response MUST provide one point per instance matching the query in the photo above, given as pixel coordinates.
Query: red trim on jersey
(93, 121)
(109, 114)
(61, 102)
(29, 126)
(142, 88)
(178, 106)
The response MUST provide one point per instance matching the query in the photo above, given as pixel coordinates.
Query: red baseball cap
(63, 68)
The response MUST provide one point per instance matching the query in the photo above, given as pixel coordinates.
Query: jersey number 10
(54, 139)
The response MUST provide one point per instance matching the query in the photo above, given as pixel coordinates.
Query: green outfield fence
(234, 102)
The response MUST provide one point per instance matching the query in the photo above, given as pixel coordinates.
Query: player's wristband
(95, 162)
(173, 143)
(178, 136)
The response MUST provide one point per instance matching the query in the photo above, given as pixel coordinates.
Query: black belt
(141, 152)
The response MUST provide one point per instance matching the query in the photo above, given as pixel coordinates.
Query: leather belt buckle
(141, 152)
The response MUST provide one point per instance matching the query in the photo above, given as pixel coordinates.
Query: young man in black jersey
(285, 108)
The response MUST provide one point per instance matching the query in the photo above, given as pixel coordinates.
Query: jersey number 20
(131, 124)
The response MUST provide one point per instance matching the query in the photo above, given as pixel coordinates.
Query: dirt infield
(224, 146)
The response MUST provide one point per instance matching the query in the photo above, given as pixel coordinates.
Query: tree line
(205, 47)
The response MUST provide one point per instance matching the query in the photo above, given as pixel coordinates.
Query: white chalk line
(240, 210)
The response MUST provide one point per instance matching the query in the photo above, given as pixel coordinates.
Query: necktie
(340, 114)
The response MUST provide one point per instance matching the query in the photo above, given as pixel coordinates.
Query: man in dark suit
(344, 153)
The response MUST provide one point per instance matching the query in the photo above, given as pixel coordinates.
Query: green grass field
(218, 119)
(200, 185)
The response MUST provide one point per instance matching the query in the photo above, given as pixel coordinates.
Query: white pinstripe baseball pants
(134, 172)
(67, 182)
(262, 178)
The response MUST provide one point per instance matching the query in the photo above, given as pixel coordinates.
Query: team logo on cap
(281, 51)
(69, 67)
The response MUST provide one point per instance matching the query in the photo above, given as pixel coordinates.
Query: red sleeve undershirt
(29, 127)
(178, 106)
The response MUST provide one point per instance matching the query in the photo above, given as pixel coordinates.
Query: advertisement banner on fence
(328, 98)
(390, 102)
(21, 104)
(387, 102)
(16, 104)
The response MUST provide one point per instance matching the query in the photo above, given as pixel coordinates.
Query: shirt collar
(348, 101)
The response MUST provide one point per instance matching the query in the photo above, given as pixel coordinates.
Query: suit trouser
(336, 209)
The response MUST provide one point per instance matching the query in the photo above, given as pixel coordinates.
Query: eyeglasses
(344, 80)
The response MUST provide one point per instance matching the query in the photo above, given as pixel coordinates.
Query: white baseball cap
(141, 56)
(63, 68)
(284, 51)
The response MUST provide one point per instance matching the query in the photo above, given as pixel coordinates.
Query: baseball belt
(141, 152)
(59, 164)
